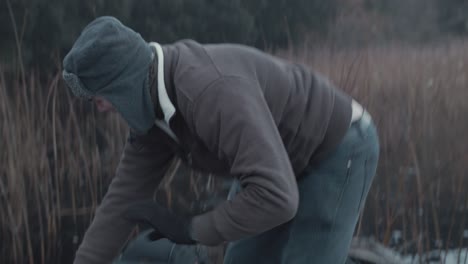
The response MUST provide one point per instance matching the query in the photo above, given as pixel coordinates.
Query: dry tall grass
(58, 156)
(51, 169)
(417, 96)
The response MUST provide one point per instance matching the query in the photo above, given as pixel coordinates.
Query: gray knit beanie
(112, 61)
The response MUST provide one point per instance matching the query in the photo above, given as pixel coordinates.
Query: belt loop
(365, 121)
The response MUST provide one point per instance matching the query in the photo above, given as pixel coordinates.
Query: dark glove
(165, 224)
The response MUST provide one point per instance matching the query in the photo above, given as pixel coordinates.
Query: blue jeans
(332, 195)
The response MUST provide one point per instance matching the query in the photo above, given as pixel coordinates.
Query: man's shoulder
(194, 69)
(200, 66)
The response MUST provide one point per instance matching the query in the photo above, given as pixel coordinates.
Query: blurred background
(405, 60)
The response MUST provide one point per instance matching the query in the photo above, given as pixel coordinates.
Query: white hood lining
(166, 104)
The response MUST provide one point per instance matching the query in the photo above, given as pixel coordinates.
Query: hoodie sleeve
(234, 121)
(140, 170)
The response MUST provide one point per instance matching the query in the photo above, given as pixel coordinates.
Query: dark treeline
(46, 29)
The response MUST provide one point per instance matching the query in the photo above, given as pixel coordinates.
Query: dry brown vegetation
(57, 156)
(417, 96)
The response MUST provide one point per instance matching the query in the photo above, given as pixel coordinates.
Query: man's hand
(165, 224)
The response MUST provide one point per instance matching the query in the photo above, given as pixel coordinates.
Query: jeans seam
(171, 252)
(348, 172)
(364, 186)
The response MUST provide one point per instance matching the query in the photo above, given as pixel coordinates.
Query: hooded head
(112, 61)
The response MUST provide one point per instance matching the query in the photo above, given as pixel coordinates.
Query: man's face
(103, 105)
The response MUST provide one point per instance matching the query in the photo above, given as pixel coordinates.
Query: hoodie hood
(112, 61)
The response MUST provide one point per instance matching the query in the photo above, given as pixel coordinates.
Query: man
(304, 152)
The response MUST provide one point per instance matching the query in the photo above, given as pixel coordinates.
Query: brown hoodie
(237, 110)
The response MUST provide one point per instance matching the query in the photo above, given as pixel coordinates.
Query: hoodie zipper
(167, 107)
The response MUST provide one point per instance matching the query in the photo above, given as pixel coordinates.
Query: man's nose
(101, 107)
